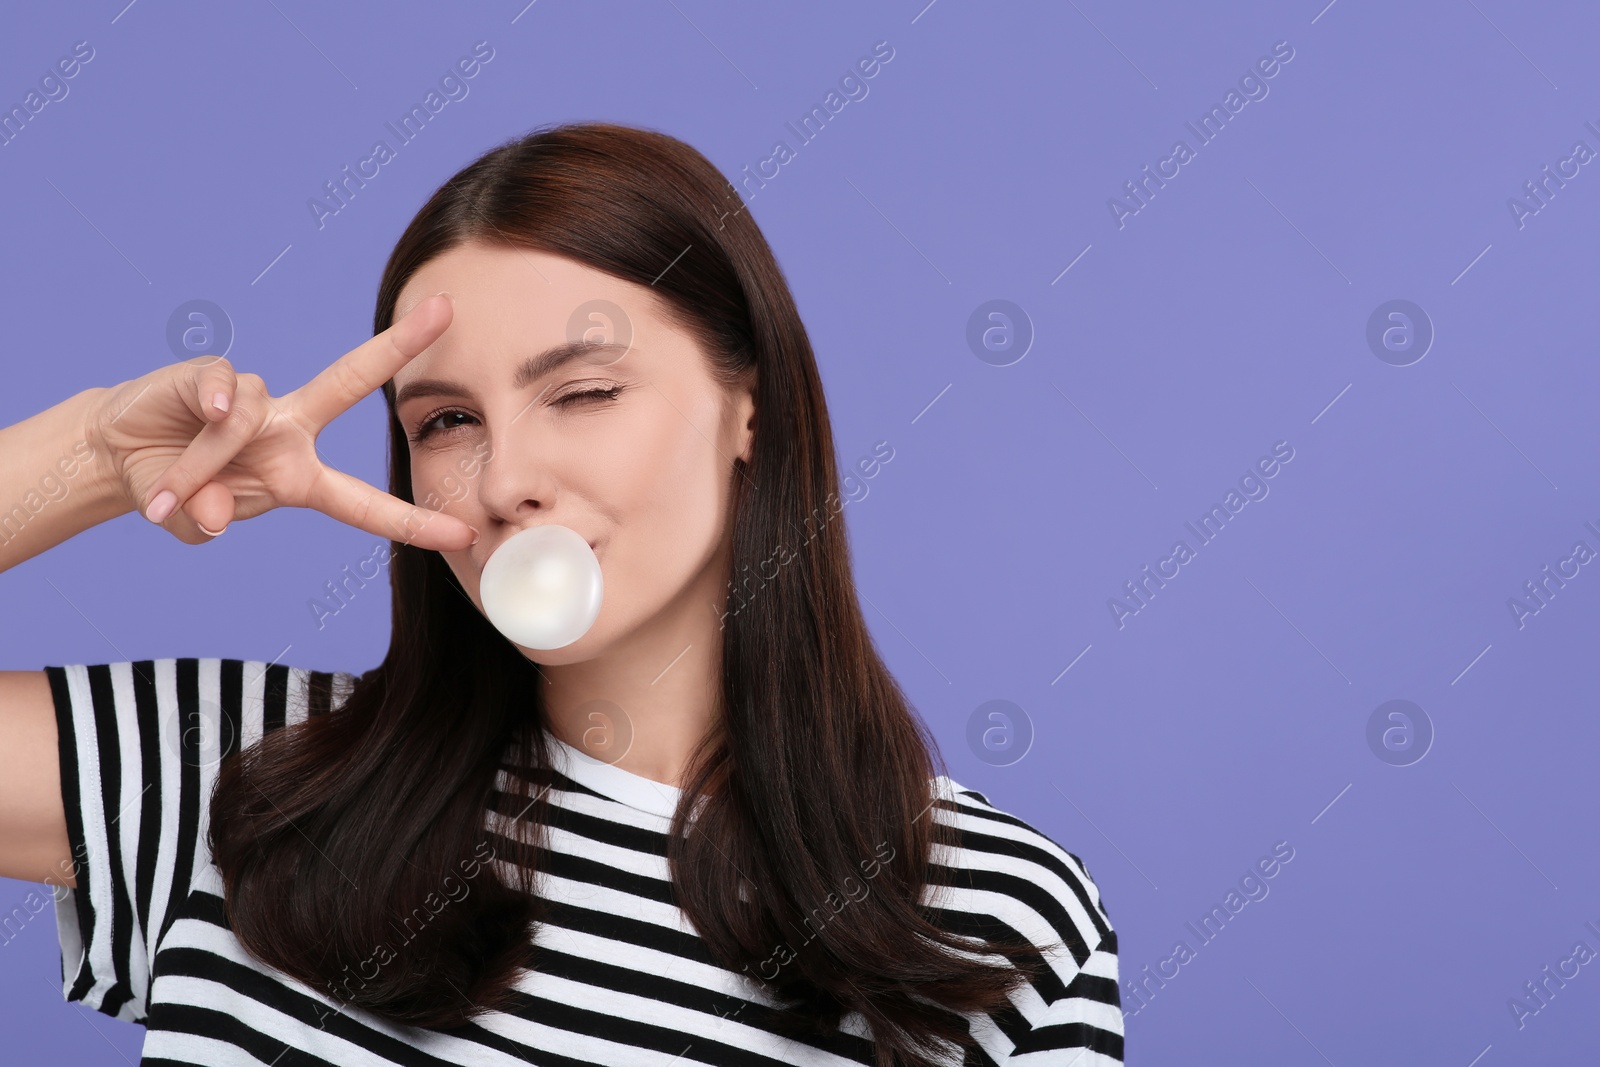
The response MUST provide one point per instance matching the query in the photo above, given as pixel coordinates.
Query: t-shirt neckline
(609, 780)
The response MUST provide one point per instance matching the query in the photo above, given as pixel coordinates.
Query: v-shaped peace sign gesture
(194, 466)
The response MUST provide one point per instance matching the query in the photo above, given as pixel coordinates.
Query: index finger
(363, 369)
(353, 502)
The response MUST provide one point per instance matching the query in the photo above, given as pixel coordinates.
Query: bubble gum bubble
(542, 588)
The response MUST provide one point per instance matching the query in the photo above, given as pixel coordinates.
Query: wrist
(55, 479)
(96, 471)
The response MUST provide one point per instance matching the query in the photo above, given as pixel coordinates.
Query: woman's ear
(745, 413)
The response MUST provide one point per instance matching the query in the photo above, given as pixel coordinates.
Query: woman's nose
(513, 480)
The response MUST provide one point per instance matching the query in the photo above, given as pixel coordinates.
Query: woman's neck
(647, 703)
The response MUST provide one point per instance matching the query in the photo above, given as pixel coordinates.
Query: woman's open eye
(426, 429)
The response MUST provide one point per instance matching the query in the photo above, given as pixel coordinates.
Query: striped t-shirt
(624, 979)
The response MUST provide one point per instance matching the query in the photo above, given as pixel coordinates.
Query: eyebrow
(527, 372)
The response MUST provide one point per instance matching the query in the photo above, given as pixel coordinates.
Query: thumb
(211, 508)
(204, 516)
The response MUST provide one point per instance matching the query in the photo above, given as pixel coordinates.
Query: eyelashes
(426, 428)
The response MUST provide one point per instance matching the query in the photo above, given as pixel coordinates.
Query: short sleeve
(1020, 882)
(139, 745)
(1084, 1025)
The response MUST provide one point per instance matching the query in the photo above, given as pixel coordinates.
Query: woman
(482, 853)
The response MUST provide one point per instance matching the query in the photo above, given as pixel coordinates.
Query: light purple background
(1228, 314)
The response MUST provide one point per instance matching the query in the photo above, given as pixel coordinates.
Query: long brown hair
(816, 773)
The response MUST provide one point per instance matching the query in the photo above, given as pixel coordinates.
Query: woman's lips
(592, 548)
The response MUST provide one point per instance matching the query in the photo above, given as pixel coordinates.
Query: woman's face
(631, 446)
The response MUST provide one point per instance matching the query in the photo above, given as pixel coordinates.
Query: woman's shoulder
(1012, 870)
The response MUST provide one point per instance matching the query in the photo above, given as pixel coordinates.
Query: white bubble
(542, 588)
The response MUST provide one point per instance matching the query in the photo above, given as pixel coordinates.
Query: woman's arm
(56, 480)
(33, 818)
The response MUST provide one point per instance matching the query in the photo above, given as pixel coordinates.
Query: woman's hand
(194, 466)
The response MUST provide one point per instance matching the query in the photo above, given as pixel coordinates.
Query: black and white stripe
(622, 977)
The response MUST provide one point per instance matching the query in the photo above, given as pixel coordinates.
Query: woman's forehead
(506, 282)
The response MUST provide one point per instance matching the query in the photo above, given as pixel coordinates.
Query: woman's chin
(586, 647)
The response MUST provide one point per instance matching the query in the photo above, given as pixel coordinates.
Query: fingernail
(210, 533)
(447, 296)
(162, 505)
(220, 402)
(475, 534)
